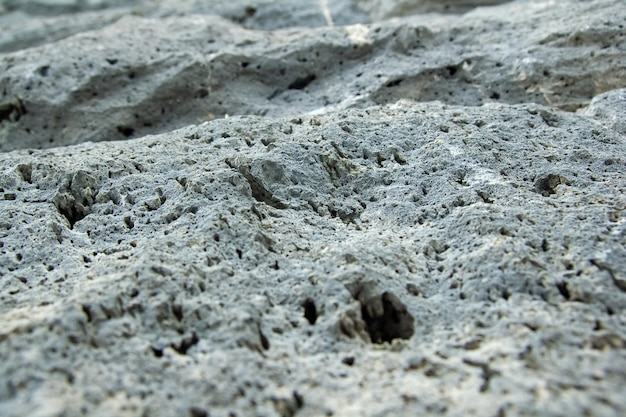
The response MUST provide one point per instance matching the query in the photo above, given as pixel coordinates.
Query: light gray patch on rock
(609, 109)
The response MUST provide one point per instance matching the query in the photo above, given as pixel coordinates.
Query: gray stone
(609, 109)
(401, 252)
(173, 269)
(143, 76)
(381, 9)
(19, 30)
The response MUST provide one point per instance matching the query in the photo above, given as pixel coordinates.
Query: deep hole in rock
(392, 321)
(265, 343)
(12, 112)
(126, 131)
(177, 310)
(310, 311)
(393, 83)
(385, 317)
(348, 360)
(451, 70)
(562, 287)
(505, 293)
(26, 172)
(198, 412)
(301, 83)
(71, 211)
(87, 311)
(186, 344)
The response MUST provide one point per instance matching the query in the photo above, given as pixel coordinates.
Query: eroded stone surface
(609, 109)
(182, 266)
(322, 253)
(145, 75)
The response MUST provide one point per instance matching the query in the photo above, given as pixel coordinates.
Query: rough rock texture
(144, 75)
(610, 110)
(421, 215)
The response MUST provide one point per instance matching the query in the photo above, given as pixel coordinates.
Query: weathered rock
(610, 110)
(175, 272)
(143, 76)
(380, 9)
(336, 248)
(19, 30)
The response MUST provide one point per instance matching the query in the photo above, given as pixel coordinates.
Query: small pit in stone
(546, 185)
(26, 172)
(394, 322)
(185, 344)
(301, 83)
(310, 311)
(384, 315)
(126, 131)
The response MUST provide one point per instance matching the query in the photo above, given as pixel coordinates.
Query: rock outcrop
(294, 208)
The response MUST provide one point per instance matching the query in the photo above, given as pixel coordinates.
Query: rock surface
(146, 75)
(300, 208)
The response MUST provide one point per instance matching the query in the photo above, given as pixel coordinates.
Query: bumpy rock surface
(146, 75)
(296, 208)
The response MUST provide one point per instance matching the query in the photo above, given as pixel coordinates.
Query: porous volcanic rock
(147, 75)
(609, 109)
(210, 212)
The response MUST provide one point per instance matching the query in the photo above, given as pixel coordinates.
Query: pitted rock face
(306, 208)
(144, 75)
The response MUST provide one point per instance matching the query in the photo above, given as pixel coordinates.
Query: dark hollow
(310, 311)
(393, 322)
